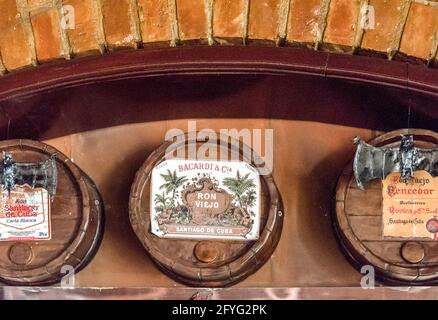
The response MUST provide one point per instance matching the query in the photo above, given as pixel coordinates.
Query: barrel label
(25, 214)
(410, 209)
(205, 199)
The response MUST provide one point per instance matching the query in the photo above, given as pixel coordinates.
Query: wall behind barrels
(307, 162)
(36, 31)
(306, 168)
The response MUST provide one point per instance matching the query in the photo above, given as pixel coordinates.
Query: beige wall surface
(308, 157)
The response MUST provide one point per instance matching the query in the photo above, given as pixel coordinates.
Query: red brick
(386, 15)
(117, 23)
(228, 18)
(83, 37)
(342, 22)
(420, 28)
(154, 20)
(303, 20)
(13, 44)
(47, 31)
(192, 19)
(263, 19)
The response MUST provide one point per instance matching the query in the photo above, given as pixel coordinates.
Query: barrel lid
(358, 224)
(205, 261)
(74, 222)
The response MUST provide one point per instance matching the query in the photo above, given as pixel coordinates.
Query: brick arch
(30, 32)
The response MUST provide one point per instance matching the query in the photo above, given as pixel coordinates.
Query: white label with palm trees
(205, 200)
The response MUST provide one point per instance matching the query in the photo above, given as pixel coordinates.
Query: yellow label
(410, 209)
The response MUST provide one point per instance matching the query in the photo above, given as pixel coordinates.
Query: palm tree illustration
(239, 185)
(249, 198)
(161, 201)
(171, 183)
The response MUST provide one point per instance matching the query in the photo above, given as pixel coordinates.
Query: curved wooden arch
(197, 60)
(52, 88)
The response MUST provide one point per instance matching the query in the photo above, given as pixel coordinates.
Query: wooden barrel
(205, 263)
(75, 222)
(358, 222)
